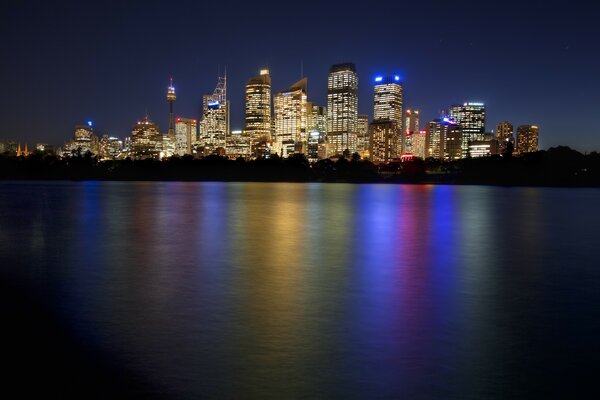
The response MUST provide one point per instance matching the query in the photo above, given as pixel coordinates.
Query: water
(275, 290)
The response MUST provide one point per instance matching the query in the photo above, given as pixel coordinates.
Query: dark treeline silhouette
(559, 166)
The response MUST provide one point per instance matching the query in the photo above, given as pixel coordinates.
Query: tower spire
(171, 99)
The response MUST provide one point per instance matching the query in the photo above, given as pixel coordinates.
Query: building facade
(384, 137)
(291, 135)
(505, 135)
(258, 120)
(146, 140)
(471, 118)
(527, 139)
(342, 108)
(214, 126)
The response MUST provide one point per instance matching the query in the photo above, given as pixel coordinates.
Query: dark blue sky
(65, 63)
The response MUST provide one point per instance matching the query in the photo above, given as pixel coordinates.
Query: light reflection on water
(316, 290)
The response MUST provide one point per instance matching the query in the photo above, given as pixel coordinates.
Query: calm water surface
(259, 290)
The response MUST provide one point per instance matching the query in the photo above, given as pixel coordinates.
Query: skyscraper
(471, 118)
(445, 139)
(291, 135)
(504, 134)
(419, 144)
(214, 127)
(387, 108)
(527, 138)
(258, 108)
(383, 143)
(171, 99)
(146, 140)
(411, 127)
(342, 108)
(362, 139)
(185, 135)
(387, 101)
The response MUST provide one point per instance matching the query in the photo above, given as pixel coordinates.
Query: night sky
(66, 63)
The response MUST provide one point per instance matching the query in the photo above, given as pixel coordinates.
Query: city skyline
(56, 78)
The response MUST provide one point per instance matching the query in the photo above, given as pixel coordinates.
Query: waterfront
(277, 290)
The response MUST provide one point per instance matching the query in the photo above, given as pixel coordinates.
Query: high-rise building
(505, 135)
(471, 118)
(110, 147)
(171, 97)
(258, 108)
(387, 105)
(317, 131)
(146, 140)
(185, 135)
(214, 126)
(291, 135)
(527, 139)
(419, 144)
(342, 108)
(383, 141)
(411, 127)
(387, 101)
(453, 140)
(83, 141)
(445, 139)
(362, 136)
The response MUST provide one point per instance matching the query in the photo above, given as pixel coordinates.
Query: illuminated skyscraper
(411, 127)
(383, 142)
(387, 107)
(214, 126)
(388, 99)
(362, 137)
(471, 118)
(527, 138)
(505, 135)
(171, 99)
(291, 135)
(258, 107)
(83, 141)
(317, 131)
(419, 144)
(185, 135)
(342, 108)
(146, 140)
(445, 139)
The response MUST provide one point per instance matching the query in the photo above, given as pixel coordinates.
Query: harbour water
(280, 290)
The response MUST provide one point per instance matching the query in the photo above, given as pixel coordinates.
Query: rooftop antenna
(301, 69)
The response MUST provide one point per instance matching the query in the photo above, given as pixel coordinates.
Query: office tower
(419, 144)
(214, 126)
(171, 99)
(146, 140)
(185, 135)
(452, 135)
(411, 127)
(445, 139)
(504, 134)
(388, 99)
(83, 141)
(435, 144)
(291, 135)
(362, 136)
(317, 132)
(527, 138)
(383, 142)
(342, 108)
(110, 147)
(258, 108)
(471, 118)
(387, 105)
